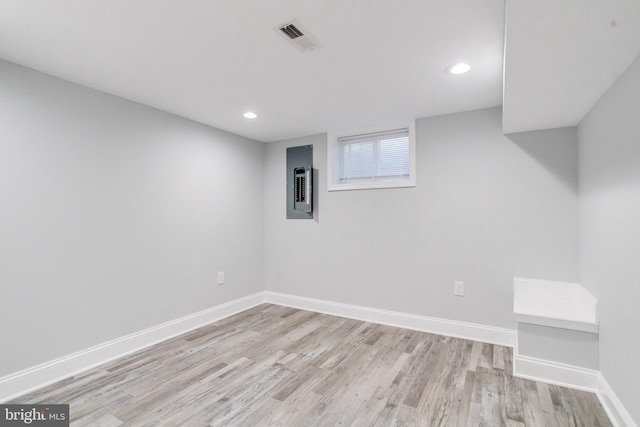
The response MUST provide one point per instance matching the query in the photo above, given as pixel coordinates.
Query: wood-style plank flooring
(273, 365)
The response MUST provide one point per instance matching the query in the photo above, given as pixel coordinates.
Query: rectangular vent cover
(293, 32)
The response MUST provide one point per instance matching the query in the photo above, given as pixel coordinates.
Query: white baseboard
(576, 378)
(471, 331)
(22, 382)
(615, 409)
(550, 372)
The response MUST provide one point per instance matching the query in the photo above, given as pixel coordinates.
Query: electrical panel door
(300, 182)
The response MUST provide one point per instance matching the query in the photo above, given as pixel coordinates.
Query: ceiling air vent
(294, 33)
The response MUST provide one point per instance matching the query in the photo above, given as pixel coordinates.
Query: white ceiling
(381, 60)
(561, 56)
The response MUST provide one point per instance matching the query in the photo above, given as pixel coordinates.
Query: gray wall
(610, 229)
(486, 208)
(560, 345)
(115, 217)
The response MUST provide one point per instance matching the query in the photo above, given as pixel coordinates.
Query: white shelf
(557, 304)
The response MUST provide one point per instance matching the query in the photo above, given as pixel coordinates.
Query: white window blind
(375, 156)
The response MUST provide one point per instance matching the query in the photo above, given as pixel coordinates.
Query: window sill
(371, 185)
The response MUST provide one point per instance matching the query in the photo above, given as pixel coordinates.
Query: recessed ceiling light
(460, 68)
(250, 115)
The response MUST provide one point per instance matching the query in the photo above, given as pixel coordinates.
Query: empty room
(319, 213)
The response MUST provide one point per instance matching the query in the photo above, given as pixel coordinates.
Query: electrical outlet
(458, 289)
(220, 277)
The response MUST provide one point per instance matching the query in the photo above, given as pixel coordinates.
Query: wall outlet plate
(458, 289)
(220, 277)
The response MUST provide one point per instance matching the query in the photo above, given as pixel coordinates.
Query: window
(374, 158)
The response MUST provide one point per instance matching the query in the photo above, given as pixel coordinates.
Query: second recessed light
(460, 68)
(250, 115)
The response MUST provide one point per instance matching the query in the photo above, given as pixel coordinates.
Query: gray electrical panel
(300, 182)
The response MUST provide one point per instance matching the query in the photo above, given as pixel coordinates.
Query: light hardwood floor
(273, 365)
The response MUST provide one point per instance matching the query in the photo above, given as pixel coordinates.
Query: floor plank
(280, 366)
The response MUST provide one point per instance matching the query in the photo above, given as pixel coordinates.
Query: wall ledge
(556, 304)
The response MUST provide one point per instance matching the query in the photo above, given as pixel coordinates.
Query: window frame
(334, 159)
